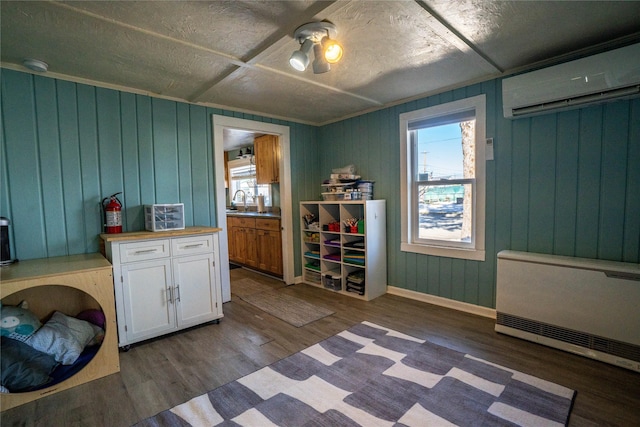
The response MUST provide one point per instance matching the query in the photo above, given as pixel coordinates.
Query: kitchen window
(443, 179)
(243, 177)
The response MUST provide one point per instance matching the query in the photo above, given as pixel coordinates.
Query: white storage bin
(164, 217)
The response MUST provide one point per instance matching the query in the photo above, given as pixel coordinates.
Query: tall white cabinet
(350, 261)
(164, 281)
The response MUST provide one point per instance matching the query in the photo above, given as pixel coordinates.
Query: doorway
(220, 124)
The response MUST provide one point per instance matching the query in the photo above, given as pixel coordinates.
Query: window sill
(442, 251)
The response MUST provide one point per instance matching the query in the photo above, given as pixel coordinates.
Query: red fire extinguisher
(112, 214)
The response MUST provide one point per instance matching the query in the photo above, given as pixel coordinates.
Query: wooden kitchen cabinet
(242, 241)
(256, 243)
(164, 281)
(267, 154)
(269, 245)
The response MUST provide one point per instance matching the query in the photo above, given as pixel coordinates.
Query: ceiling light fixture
(300, 58)
(326, 51)
(35, 65)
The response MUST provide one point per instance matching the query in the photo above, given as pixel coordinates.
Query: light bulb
(332, 50)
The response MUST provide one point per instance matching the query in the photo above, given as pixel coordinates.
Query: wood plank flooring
(159, 374)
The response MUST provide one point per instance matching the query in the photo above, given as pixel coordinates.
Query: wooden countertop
(54, 266)
(140, 235)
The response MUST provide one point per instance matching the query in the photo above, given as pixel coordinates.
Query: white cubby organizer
(331, 259)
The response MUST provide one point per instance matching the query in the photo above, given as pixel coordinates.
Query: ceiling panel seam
(453, 36)
(234, 60)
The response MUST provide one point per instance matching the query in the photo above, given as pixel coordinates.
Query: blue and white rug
(370, 375)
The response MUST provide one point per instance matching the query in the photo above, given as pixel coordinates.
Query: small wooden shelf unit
(69, 284)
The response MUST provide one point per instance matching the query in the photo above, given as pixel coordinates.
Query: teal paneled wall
(563, 183)
(65, 146)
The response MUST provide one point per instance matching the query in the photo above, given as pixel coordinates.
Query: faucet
(244, 198)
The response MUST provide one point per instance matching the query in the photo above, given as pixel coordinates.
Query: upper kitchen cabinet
(267, 155)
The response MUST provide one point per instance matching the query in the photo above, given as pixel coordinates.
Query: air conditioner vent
(581, 339)
(586, 81)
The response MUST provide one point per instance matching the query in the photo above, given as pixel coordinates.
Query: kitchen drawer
(268, 224)
(192, 245)
(142, 251)
(237, 221)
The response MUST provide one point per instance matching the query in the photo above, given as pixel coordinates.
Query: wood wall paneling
(563, 183)
(65, 146)
(560, 183)
(631, 244)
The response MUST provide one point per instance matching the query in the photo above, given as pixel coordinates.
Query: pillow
(92, 316)
(22, 367)
(18, 322)
(63, 337)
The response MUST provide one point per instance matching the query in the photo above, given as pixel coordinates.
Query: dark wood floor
(159, 374)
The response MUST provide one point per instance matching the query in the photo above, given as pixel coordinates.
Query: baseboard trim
(435, 300)
(443, 302)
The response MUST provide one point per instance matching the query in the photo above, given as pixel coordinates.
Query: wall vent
(569, 336)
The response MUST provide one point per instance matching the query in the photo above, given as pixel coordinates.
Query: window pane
(440, 153)
(445, 212)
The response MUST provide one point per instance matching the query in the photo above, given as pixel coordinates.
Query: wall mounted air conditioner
(594, 79)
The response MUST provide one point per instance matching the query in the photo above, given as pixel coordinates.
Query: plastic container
(164, 217)
(332, 281)
(333, 196)
(313, 277)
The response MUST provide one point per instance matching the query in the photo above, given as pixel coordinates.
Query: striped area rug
(370, 375)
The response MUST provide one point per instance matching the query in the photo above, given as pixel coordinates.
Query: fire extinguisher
(112, 208)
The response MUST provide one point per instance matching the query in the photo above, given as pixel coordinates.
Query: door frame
(224, 122)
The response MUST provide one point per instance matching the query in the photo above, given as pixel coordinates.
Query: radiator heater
(584, 306)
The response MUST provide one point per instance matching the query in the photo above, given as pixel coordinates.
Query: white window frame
(409, 205)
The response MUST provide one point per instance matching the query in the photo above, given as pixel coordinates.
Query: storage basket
(164, 217)
(313, 277)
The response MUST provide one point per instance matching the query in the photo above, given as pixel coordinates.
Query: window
(243, 177)
(443, 179)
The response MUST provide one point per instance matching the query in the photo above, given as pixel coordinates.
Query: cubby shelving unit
(350, 261)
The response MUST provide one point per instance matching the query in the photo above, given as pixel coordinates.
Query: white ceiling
(234, 54)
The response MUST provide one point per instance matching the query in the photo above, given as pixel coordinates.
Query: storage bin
(333, 196)
(164, 217)
(332, 281)
(313, 277)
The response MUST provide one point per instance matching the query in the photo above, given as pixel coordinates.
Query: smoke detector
(35, 65)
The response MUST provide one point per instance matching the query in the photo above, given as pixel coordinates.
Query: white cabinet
(164, 283)
(147, 302)
(348, 260)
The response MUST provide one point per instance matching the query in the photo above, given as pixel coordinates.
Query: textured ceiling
(234, 54)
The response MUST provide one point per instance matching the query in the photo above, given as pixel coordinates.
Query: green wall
(65, 146)
(563, 183)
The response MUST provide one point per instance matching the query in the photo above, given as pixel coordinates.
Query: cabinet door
(267, 155)
(270, 251)
(195, 289)
(251, 249)
(239, 239)
(148, 299)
